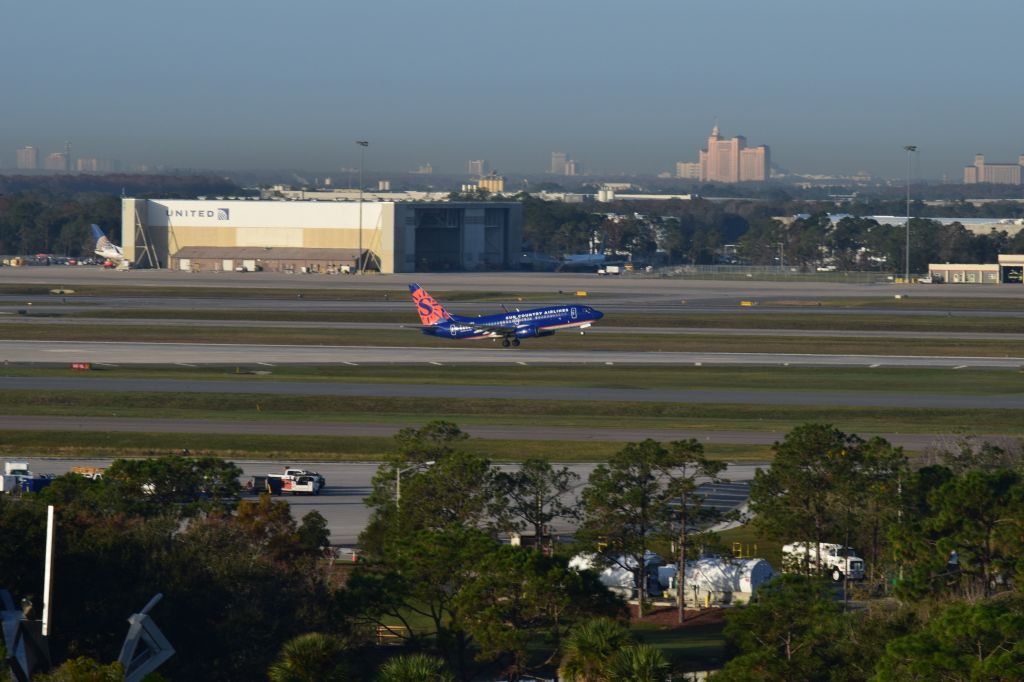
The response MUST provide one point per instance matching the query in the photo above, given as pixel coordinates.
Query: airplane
(106, 249)
(509, 327)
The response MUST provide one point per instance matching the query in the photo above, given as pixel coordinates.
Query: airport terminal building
(313, 236)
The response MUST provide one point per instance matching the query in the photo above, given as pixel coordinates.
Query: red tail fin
(431, 312)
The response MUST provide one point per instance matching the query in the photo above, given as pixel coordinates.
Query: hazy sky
(634, 86)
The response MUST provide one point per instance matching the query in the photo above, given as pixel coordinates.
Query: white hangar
(327, 236)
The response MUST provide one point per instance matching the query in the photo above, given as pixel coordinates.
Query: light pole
(398, 480)
(363, 144)
(909, 149)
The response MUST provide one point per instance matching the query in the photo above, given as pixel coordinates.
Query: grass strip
(106, 445)
(741, 319)
(526, 413)
(695, 647)
(848, 379)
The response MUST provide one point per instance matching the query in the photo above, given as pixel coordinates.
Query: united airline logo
(223, 214)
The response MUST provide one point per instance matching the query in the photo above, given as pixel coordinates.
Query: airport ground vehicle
(17, 478)
(302, 484)
(88, 472)
(295, 481)
(295, 473)
(14, 474)
(836, 561)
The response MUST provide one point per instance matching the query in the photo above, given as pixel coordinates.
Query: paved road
(473, 392)
(134, 353)
(341, 502)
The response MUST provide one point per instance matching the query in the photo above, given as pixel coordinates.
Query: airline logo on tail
(431, 312)
(104, 247)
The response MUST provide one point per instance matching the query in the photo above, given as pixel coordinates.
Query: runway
(133, 353)
(263, 386)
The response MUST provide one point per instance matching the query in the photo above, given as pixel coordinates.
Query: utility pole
(910, 149)
(363, 144)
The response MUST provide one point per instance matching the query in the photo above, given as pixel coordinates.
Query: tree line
(52, 214)
(248, 592)
(705, 232)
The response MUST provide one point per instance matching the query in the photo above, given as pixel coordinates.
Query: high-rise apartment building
(558, 160)
(688, 171)
(733, 161)
(28, 158)
(573, 167)
(995, 173)
(478, 168)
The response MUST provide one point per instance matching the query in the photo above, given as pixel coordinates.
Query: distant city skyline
(835, 89)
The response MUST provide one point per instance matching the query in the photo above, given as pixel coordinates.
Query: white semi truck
(14, 474)
(836, 561)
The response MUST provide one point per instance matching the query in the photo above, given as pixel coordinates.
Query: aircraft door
(572, 312)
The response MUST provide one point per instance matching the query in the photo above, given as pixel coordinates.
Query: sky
(833, 87)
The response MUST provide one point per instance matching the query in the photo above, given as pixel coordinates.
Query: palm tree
(313, 657)
(589, 647)
(414, 668)
(639, 663)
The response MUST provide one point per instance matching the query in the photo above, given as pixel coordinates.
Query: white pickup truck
(301, 484)
(836, 561)
(297, 481)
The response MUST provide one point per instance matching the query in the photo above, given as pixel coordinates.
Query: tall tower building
(732, 161)
(558, 160)
(67, 157)
(478, 168)
(28, 158)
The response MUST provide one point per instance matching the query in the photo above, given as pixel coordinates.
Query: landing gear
(505, 343)
(510, 341)
(515, 343)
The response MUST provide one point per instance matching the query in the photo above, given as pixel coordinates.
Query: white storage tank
(719, 581)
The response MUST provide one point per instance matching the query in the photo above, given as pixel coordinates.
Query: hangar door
(496, 238)
(438, 239)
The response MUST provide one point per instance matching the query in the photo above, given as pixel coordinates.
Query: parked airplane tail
(431, 312)
(102, 243)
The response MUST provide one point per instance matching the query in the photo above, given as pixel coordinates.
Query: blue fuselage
(520, 324)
